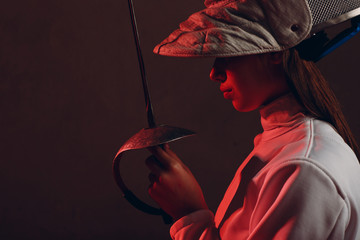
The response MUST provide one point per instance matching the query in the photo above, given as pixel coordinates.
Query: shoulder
(311, 176)
(315, 143)
(312, 156)
(314, 165)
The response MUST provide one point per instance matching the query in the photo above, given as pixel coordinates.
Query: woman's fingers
(153, 178)
(170, 152)
(172, 184)
(155, 166)
(165, 156)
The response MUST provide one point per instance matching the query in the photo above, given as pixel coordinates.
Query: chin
(243, 108)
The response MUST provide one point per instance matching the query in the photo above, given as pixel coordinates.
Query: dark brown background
(71, 95)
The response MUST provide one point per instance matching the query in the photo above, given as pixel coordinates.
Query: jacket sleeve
(197, 225)
(298, 200)
(295, 200)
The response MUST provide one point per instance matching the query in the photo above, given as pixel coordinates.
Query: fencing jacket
(301, 181)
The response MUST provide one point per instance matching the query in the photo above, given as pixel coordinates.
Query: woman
(301, 179)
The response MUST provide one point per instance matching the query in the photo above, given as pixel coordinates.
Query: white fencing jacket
(301, 181)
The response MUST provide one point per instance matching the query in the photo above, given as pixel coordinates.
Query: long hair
(314, 93)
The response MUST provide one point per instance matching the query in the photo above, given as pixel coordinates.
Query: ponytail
(314, 93)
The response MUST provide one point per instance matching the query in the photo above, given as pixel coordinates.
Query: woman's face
(250, 81)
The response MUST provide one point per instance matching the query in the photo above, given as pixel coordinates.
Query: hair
(314, 93)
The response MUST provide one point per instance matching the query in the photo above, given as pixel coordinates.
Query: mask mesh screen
(324, 10)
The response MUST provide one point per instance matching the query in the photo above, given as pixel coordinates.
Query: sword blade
(149, 109)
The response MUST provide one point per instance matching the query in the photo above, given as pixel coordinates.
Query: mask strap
(319, 45)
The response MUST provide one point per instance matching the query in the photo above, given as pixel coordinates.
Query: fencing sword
(147, 137)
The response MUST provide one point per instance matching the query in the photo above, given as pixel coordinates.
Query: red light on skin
(226, 91)
(250, 81)
(227, 94)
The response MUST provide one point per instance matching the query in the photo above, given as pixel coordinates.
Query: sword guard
(147, 137)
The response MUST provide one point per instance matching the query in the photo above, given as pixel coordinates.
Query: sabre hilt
(146, 138)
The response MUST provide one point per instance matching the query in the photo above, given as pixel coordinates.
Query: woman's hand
(173, 186)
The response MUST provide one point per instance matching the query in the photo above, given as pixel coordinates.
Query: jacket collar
(280, 116)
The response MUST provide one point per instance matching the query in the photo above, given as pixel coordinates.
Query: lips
(227, 92)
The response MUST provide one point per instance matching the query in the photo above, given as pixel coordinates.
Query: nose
(217, 73)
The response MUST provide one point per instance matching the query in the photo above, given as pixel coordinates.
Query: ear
(276, 57)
